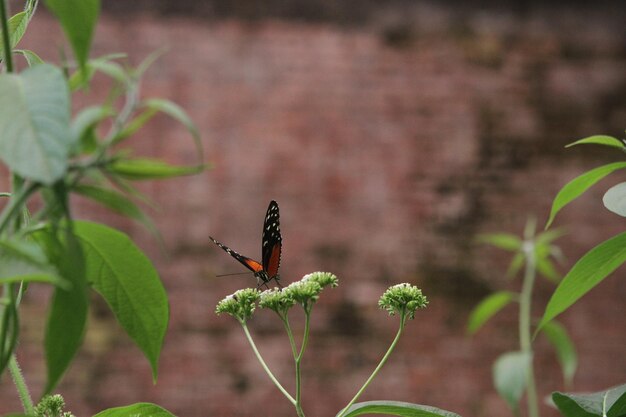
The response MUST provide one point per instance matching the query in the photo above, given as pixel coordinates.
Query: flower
(403, 299)
(324, 279)
(277, 300)
(240, 305)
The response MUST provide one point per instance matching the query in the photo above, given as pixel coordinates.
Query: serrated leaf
(34, 123)
(588, 272)
(130, 285)
(31, 57)
(564, 347)
(22, 260)
(579, 185)
(510, 373)
(147, 169)
(78, 19)
(609, 403)
(395, 408)
(599, 140)
(487, 308)
(136, 410)
(615, 199)
(504, 241)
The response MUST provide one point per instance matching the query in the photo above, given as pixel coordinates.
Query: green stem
(20, 384)
(298, 360)
(380, 365)
(264, 365)
(525, 335)
(6, 40)
(16, 204)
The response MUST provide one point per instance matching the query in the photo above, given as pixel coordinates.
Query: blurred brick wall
(388, 147)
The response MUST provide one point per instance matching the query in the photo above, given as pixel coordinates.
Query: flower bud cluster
(403, 299)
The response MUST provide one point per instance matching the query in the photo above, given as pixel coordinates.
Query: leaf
(31, 57)
(68, 312)
(395, 408)
(136, 410)
(487, 308)
(22, 260)
(130, 285)
(609, 403)
(146, 169)
(579, 185)
(83, 126)
(510, 372)
(17, 26)
(34, 123)
(615, 199)
(516, 264)
(78, 19)
(116, 202)
(565, 350)
(504, 241)
(589, 271)
(599, 140)
(104, 64)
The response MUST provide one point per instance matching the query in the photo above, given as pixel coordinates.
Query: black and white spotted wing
(270, 249)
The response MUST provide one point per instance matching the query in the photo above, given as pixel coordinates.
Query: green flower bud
(304, 292)
(276, 299)
(240, 305)
(402, 298)
(324, 279)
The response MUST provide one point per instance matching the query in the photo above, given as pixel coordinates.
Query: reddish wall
(388, 148)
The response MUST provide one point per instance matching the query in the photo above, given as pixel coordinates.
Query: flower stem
(524, 324)
(264, 365)
(298, 360)
(380, 365)
(20, 384)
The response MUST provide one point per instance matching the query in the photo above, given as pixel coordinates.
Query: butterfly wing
(272, 240)
(251, 264)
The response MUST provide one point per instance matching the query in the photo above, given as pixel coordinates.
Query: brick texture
(388, 148)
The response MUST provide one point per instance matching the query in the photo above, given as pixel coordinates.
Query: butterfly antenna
(237, 273)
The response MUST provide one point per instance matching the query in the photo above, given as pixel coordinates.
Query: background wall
(389, 140)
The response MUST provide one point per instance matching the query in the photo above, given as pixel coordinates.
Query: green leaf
(136, 410)
(395, 408)
(146, 169)
(487, 308)
(516, 264)
(83, 126)
(68, 312)
(579, 185)
(130, 285)
(78, 19)
(104, 64)
(17, 26)
(34, 123)
(609, 403)
(565, 350)
(22, 260)
(599, 140)
(510, 372)
(174, 111)
(504, 241)
(589, 271)
(116, 202)
(31, 57)
(615, 199)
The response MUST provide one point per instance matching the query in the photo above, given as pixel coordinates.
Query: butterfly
(271, 247)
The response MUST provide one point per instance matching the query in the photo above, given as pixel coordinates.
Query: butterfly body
(271, 249)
